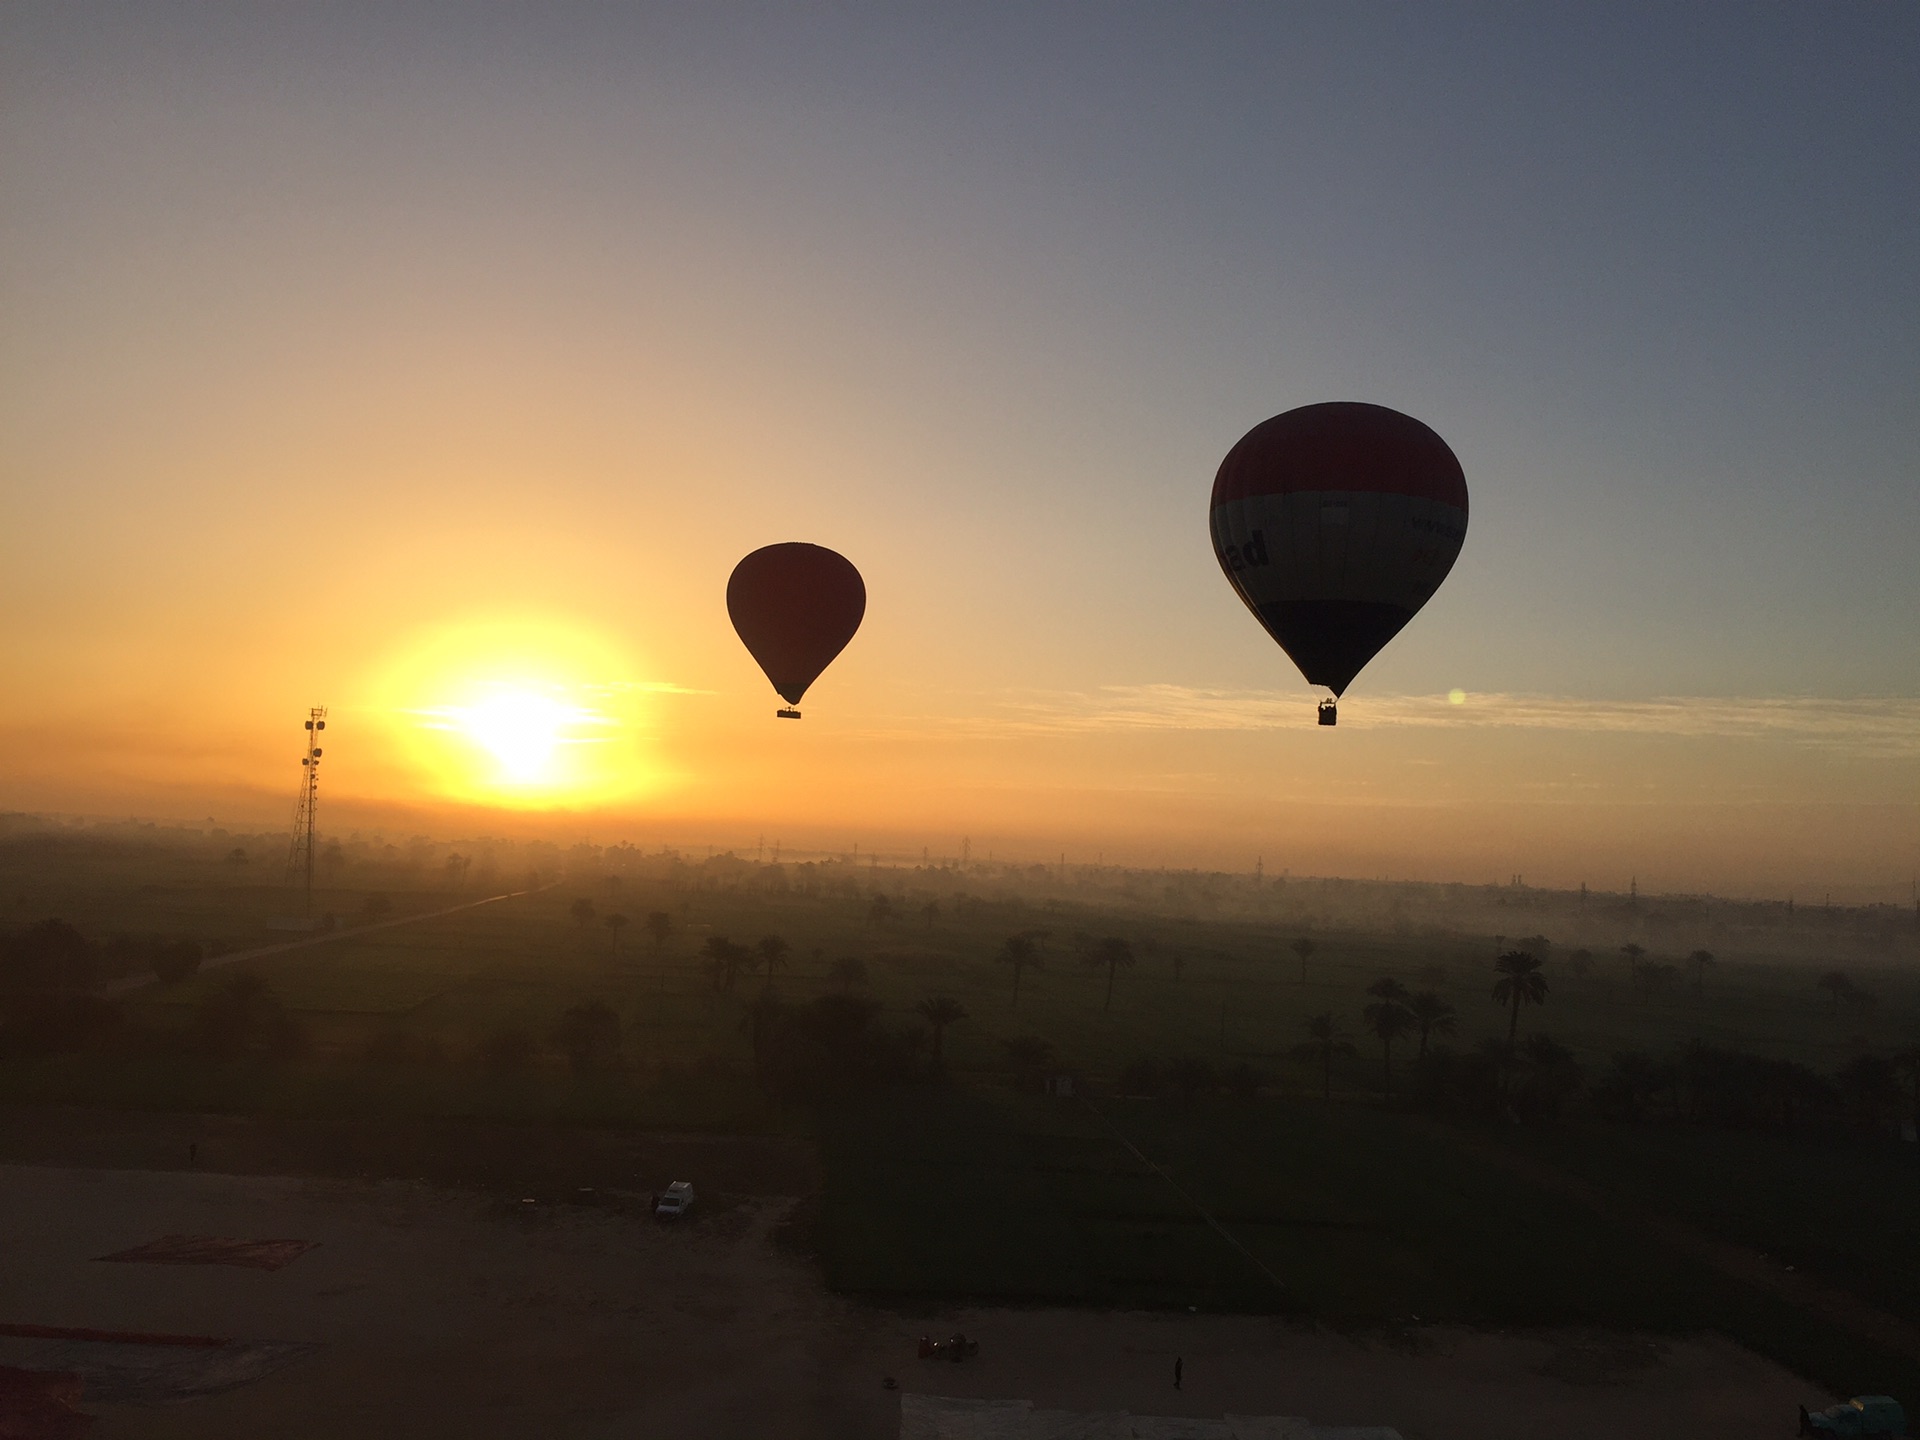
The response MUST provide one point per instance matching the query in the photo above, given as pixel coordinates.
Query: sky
(436, 363)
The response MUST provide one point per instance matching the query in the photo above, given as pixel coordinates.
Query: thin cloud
(1885, 727)
(646, 687)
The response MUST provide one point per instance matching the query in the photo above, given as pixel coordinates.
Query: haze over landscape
(913, 723)
(436, 364)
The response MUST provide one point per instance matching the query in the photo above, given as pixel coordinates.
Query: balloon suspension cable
(787, 714)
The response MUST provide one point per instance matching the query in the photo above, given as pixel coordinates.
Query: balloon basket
(787, 714)
(1329, 713)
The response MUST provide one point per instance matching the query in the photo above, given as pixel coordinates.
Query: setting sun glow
(526, 734)
(521, 714)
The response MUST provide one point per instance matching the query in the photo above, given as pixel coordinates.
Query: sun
(524, 731)
(522, 714)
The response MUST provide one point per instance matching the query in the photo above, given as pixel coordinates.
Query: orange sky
(443, 376)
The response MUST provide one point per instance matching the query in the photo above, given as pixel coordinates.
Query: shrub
(176, 961)
(60, 1025)
(830, 1045)
(507, 1050)
(1031, 1059)
(1142, 1077)
(397, 1045)
(244, 1018)
(1243, 1082)
(589, 1036)
(1726, 1087)
(48, 957)
(1635, 1087)
(1192, 1078)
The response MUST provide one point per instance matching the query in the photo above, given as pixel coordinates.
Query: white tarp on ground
(941, 1417)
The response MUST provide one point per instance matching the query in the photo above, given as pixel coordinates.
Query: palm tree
(759, 1023)
(659, 927)
(582, 912)
(1303, 947)
(1017, 951)
(725, 960)
(880, 912)
(1907, 1062)
(1389, 989)
(1328, 1038)
(1388, 1018)
(1520, 983)
(1700, 961)
(616, 923)
(1434, 1016)
(930, 912)
(1116, 955)
(1634, 953)
(1837, 986)
(940, 1011)
(1031, 1058)
(848, 971)
(773, 956)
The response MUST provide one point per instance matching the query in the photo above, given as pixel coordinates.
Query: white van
(674, 1202)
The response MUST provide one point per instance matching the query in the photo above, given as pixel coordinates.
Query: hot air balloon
(795, 607)
(1335, 523)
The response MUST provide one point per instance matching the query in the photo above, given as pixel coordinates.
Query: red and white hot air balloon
(1335, 523)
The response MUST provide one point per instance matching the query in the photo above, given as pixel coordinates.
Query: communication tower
(300, 855)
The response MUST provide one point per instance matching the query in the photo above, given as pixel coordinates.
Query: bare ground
(426, 1311)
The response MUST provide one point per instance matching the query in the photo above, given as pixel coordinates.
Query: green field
(1215, 976)
(1842, 1207)
(1365, 1218)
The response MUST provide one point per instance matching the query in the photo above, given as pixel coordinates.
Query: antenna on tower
(300, 854)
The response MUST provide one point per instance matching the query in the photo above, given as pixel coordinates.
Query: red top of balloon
(1342, 445)
(795, 607)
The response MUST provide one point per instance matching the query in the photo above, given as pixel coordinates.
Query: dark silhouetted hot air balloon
(795, 607)
(1336, 523)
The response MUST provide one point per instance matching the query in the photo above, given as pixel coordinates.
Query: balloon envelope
(1335, 523)
(795, 607)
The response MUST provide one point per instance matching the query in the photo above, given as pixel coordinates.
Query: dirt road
(127, 984)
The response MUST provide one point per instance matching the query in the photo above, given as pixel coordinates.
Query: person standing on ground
(1178, 1365)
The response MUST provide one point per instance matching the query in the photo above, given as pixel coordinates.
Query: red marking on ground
(111, 1337)
(38, 1405)
(213, 1250)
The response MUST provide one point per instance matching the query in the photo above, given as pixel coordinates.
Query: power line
(1205, 1214)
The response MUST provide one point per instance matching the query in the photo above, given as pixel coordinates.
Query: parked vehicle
(955, 1349)
(1876, 1415)
(674, 1201)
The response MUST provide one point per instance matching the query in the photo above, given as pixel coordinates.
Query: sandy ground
(435, 1312)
